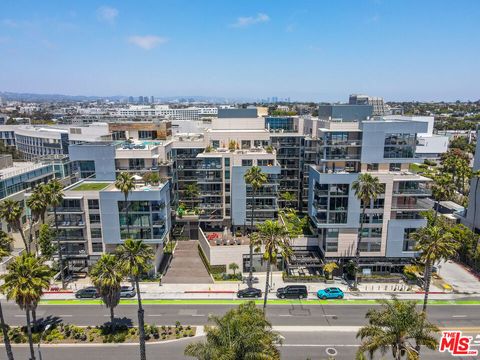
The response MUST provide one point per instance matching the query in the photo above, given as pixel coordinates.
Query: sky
(317, 50)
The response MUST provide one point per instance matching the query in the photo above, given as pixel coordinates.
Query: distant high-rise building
(152, 100)
(145, 99)
(274, 99)
(379, 107)
(140, 99)
(130, 99)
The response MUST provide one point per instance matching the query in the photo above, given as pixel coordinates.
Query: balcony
(67, 210)
(344, 143)
(413, 192)
(419, 204)
(71, 224)
(211, 206)
(209, 179)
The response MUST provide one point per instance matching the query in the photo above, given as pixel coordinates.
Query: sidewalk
(227, 290)
(459, 277)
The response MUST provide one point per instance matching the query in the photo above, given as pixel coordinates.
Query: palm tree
(107, 277)
(125, 183)
(233, 267)
(393, 327)
(5, 248)
(435, 243)
(55, 196)
(242, 333)
(25, 281)
(37, 205)
(367, 188)
(256, 179)
(12, 212)
(275, 238)
(135, 259)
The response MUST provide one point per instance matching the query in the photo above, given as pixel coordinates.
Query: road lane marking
(459, 316)
(320, 345)
(20, 315)
(285, 315)
(154, 315)
(66, 315)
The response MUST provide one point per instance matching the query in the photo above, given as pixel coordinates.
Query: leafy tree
(233, 267)
(288, 198)
(125, 183)
(12, 212)
(55, 196)
(329, 268)
(256, 179)
(242, 333)
(435, 244)
(107, 278)
(45, 241)
(5, 248)
(135, 259)
(192, 191)
(25, 281)
(393, 327)
(367, 188)
(276, 240)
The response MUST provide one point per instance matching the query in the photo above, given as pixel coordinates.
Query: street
(458, 316)
(296, 346)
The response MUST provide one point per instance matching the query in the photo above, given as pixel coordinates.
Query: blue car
(330, 293)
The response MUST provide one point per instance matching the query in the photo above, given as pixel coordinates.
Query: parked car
(88, 292)
(249, 293)
(127, 292)
(330, 293)
(292, 292)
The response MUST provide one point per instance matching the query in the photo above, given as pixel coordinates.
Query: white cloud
(107, 14)
(251, 20)
(147, 42)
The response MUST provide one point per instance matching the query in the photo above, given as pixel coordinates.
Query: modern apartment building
(92, 219)
(384, 148)
(190, 113)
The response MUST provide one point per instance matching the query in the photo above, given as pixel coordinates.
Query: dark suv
(88, 292)
(292, 292)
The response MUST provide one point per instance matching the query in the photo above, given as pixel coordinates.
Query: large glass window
(400, 146)
(408, 242)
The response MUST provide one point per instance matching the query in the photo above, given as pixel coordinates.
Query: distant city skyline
(304, 50)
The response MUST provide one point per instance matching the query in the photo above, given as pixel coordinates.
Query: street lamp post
(39, 341)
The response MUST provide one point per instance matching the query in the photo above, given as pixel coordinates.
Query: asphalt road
(279, 315)
(296, 346)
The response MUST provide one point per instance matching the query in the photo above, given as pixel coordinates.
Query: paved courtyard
(187, 266)
(459, 277)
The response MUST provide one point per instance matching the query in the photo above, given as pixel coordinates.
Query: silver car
(127, 292)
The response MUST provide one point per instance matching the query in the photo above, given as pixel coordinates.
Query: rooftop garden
(94, 186)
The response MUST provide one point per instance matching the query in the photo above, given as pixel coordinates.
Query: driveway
(459, 277)
(187, 267)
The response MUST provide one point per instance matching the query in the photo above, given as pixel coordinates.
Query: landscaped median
(120, 333)
(236, 302)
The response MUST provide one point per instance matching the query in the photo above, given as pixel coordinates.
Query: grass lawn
(90, 186)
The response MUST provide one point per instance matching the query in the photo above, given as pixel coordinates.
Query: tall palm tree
(125, 183)
(25, 281)
(393, 327)
(367, 188)
(37, 205)
(55, 196)
(275, 238)
(12, 212)
(435, 243)
(135, 259)
(107, 277)
(5, 248)
(256, 179)
(242, 333)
